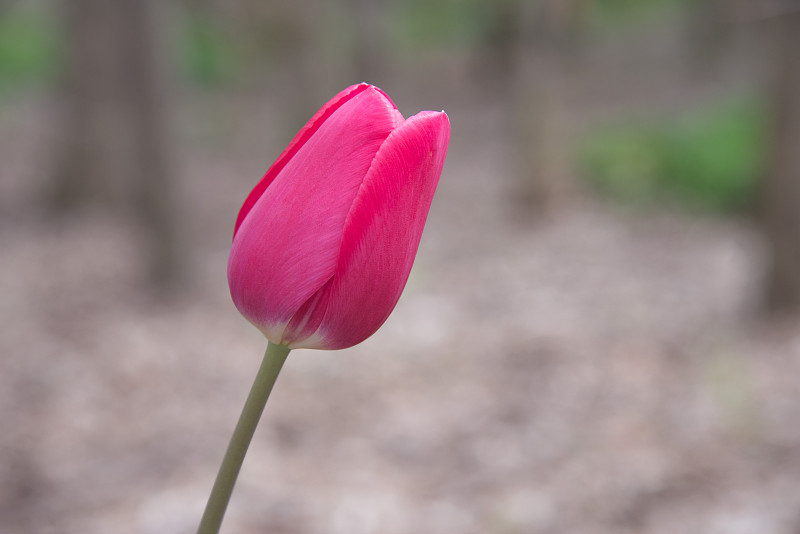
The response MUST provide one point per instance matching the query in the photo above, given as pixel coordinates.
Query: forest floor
(600, 371)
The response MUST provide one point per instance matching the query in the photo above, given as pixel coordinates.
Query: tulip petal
(299, 140)
(286, 246)
(383, 231)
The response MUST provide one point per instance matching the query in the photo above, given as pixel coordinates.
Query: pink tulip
(324, 243)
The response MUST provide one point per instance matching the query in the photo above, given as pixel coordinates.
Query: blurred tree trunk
(298, 43)
(711, 27)
(781, 185)
(715, 25)
(114, 134)
(542, 56)
(371, 28)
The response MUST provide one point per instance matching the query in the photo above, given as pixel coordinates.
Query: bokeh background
(600, 332)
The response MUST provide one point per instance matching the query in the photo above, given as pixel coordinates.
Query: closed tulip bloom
(324, 243)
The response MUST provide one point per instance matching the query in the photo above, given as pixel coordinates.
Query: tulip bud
(324, 243)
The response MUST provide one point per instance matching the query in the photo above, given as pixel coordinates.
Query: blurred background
(600, 333)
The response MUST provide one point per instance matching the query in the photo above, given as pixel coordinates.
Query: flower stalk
(274, 357)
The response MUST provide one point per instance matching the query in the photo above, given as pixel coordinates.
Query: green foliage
(27, 48)
(426, 22)
(708, 161)
(610, 14)
(207, 55)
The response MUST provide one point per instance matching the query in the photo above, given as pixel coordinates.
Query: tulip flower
(324, 243)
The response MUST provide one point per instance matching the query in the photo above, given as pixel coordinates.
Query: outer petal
(299, 140)
(287, 244)
(383, 232)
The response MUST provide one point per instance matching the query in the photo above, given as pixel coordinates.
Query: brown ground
(598, 372)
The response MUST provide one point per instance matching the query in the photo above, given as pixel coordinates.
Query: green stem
(240, 441)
